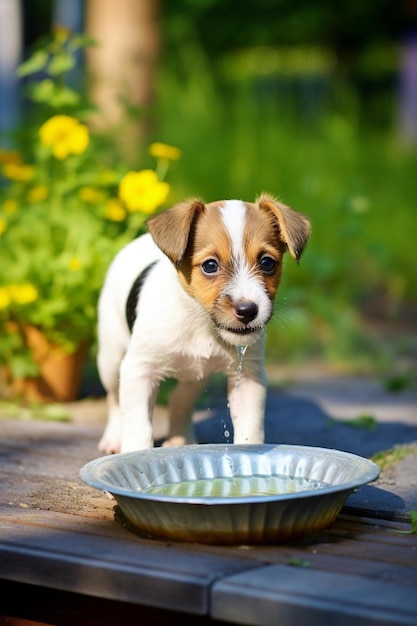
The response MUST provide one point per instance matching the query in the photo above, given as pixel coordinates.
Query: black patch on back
(133, 297)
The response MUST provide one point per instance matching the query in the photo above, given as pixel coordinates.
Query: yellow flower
(164, 151)
(18, 171)
(65, 135)
(38, 193)
(23, 294)
(10, 206)
(90, 195)
(3, 225)
(74, 264)
(114, 210)
(142, 191)
(61, 33)
(4, 298)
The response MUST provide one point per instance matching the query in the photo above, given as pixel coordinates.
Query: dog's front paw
(109, 443)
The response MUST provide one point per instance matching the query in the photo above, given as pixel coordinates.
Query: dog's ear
(294, 227)
(171, 229)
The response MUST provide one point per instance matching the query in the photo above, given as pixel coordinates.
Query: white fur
(244, 284)
(233, 214)
(172, 337)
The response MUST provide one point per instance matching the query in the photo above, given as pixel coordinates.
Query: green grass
(387, 458)
(355, 182)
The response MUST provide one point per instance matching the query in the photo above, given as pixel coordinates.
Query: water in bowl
(237, 486)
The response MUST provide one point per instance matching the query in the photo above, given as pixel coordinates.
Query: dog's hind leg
(111, 440)
(113, 338)
(108, 363)
(181, 405)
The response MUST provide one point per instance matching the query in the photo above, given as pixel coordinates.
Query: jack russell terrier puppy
(186, 300)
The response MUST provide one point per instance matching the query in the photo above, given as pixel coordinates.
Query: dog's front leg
(247, 397)
(138, 389)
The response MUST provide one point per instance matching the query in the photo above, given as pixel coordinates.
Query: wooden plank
(57, 532)
(301, 597)
(353, 520)
(343, 563)
(396, 534)
(134, 570)
(383, 553)
(68, 609)
(371, 550)
(327, 557)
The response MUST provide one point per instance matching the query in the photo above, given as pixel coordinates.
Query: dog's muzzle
(241, 336)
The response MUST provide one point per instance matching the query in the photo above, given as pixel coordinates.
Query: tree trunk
(122, 66)
(10, 57)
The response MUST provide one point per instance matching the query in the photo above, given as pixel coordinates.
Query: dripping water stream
(241, 353)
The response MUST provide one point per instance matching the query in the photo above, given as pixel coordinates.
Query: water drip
(226, 432)
(241, 352)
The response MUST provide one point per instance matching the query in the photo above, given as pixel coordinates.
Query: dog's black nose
(246, 311)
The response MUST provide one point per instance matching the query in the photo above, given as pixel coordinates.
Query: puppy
(186, 300)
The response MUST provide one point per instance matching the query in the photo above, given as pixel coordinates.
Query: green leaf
(34, 64)
(61, 63)
(42, 91)
(413, 521)
(298, 562)
(397, 383)
(365, 421)
(63, 97)
(21, 366)
(413, 517)
(79, 40)
(385, 458)
(368, 422)
(56, 96)
(54, 412)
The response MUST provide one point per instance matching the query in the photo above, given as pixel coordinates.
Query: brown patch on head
(208, 240)
(262, 239)
(294, 227)
(171, 229)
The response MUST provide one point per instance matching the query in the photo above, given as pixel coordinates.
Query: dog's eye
(268, 264)
(210, 266)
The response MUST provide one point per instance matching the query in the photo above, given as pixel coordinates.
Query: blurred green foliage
(294, 119)
(301, 100)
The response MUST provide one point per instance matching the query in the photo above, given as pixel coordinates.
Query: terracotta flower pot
(60, 373)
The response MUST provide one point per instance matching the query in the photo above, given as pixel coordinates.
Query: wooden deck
(64, 559)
